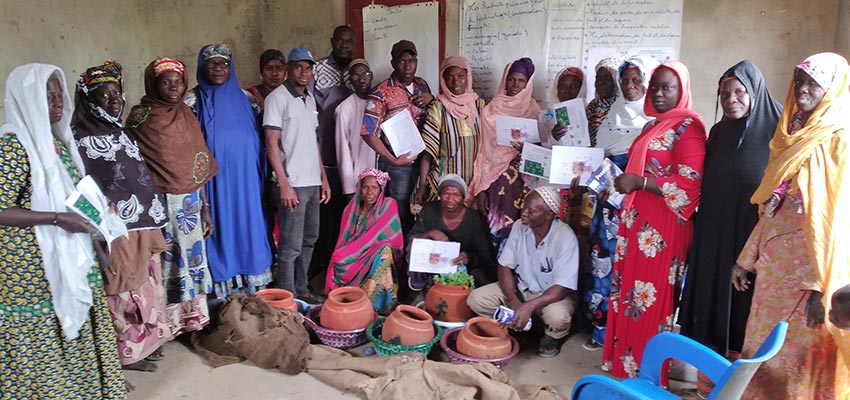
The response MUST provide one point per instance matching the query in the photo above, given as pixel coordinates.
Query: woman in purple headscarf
(239, 252)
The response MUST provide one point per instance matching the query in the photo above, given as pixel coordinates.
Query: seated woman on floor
(447, 219)
(369, 243)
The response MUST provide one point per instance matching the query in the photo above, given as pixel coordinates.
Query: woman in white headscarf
(56, 334)
(622, 124)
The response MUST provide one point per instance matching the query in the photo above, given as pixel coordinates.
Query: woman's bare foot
(143, 365)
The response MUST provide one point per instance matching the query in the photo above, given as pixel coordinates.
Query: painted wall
(775, 34)
(77, 34)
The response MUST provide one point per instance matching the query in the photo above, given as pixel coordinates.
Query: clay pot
(448, 303)
(408, 326)
(483, 338)
(346, 309)
(279, 298)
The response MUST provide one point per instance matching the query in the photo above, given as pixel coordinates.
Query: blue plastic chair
(730, 379)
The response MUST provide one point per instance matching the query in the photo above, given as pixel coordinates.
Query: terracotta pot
(448, 303)
(408, 326)
(279, 298)
(346, 309)
(483, 338)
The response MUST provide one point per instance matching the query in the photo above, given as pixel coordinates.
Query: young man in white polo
(289, 124)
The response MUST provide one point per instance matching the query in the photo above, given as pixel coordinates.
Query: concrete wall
(77, 34)
(775, 34)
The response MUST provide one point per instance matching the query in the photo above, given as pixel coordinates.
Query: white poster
(572, 116)
(567, 162)
(561, 33)
(494, 33)
(419, 23)
(433, 257)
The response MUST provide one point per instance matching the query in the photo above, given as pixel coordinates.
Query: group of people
(227, 190)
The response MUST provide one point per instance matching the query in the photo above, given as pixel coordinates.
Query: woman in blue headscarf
(238, 251)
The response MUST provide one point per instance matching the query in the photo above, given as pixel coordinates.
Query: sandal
(157, 355)
(548, 347)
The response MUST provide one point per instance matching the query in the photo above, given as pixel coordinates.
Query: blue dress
(238, 251)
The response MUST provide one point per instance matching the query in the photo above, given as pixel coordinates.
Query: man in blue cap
(289, 123)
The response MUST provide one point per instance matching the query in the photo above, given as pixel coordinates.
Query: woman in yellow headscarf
(799, 248)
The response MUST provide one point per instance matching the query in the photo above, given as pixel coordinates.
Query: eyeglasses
(365, 74)
(219, 64)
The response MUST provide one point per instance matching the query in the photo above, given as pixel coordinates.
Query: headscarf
(625, 119)
(493, 159)
(459, 106)
(551, 197)
(380, 176)
(112, 156)
(754, 135)
(271, 55)
(574, 71)
(169, 136)
(664, 122)
(523, 66)
(223, 110)
(67, 257)
(815, 160)
(598, 108)
(359, 245)
(629, 114)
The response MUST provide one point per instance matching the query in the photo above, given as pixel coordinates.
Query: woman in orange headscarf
(662, 185)
(799, 246)
(497, 188)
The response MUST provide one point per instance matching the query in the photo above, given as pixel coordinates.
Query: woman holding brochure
(622, 124)
(369, 243)
(57, 336)
(662, 186)
(497, 188)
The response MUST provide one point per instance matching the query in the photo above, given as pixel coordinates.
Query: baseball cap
(301, 54)
(401, 46)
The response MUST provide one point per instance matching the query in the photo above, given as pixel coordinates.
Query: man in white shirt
(538, 272)
(353, 154)
(289, 124)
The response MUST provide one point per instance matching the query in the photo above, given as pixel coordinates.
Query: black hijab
(736, 155)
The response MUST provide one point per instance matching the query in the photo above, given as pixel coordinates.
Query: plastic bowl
(338, 339)
(387, 349)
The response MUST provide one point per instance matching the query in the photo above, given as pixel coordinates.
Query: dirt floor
(184, 375)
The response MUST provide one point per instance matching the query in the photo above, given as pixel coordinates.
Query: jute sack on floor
(252, 329)
(410, 376)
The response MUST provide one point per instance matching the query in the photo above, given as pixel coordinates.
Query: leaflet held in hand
(568, 162)
(603, 179)
(571, 114)
(403, 135)
(88, 201)
(536, 161)
(433, 257)
(513, 129)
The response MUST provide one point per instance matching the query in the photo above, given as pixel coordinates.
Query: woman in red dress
(662, 182)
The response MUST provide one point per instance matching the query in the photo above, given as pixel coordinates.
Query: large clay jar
(448, 303)
(483, 338)
(408, 326)
(278, 298)
(346, 309)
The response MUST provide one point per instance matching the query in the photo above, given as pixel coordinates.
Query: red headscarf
(663, 121)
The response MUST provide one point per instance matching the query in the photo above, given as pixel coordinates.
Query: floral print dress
(652, 242)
